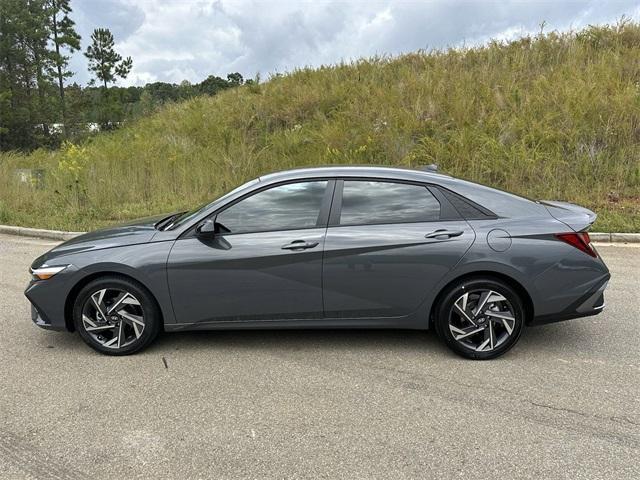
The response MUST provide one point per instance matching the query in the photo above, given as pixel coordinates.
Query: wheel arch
(527, 301)
(85, 280)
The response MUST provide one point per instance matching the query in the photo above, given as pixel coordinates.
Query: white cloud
(172, 40)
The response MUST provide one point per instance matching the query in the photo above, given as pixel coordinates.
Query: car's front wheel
(116, 316)
(480, 318)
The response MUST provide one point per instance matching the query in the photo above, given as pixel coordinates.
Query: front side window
(285, 207)
(372, 202)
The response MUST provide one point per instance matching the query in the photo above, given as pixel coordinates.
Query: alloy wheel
(482, 320)
(113, 317)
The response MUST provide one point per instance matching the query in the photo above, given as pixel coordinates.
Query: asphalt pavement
(564, 403)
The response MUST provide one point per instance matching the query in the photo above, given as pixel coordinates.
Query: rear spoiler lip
(577, 218)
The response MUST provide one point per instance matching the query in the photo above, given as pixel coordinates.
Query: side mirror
(211, 227)
(207, 228)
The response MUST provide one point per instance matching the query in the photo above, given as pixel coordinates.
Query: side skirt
(409, 322)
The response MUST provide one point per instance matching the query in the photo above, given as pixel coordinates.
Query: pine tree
(36, 36)
(63, 36)
(17, 108)
(104, 61)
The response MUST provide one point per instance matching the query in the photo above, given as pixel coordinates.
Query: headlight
(45, 272)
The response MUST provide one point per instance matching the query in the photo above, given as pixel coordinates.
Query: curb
(614, 237)
(38, 233)
(597, 237)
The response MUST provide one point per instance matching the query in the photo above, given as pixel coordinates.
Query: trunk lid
(574, 216)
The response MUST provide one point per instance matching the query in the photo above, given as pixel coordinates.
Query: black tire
(446, 311)
(145, 302)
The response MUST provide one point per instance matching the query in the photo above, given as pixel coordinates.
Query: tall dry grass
(555, 116)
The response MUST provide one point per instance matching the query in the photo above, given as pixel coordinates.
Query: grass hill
(555, 116)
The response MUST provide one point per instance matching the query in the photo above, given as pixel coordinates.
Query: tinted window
(503, 204)
(287, 207)
(194, 213)
(464, 208)
(385, 202)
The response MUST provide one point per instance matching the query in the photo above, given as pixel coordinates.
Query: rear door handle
(444, 234)
(299, 245)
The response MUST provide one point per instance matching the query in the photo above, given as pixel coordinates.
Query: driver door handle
(299, 245)
(443, 234)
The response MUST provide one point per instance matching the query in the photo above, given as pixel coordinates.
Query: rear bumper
(592, 303)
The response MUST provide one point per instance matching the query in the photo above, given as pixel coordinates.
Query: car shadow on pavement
(553, 338)
(562, 336)
(550, 339)
(333, 339)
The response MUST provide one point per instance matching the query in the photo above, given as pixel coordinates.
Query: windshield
(187, 216)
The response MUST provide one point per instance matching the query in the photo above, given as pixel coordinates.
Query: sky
(175, 40)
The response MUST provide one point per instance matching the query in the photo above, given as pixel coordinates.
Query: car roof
(396, 173)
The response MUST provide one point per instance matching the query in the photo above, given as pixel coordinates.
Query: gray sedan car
(332, 247)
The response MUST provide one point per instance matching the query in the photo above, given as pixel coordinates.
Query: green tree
(27, 71)
(185, 89)
(78, 105)
(63, 36)
(235, 79)
(39, 62)
(5, 104)
(104, 61)
(16, 75)
(212, 85)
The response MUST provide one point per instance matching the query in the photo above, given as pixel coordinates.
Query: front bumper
(592, 303)
(40, 320)
(47, 299)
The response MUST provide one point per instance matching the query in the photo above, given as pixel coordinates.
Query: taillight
(579, 240)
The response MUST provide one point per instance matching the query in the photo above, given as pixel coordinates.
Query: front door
(266, 264)
(386, 248)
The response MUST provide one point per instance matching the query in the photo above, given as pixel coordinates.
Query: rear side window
(286, 207)
(373, 202)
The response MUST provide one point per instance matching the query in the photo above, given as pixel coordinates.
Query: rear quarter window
(503, 204)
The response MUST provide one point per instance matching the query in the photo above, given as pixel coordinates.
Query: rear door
(265, 264)
(387, 245)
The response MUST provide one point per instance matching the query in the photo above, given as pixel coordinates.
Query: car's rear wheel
(116, 316)
(480, 318)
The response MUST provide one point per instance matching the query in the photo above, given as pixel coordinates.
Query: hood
(131, 233)
(574, 216)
